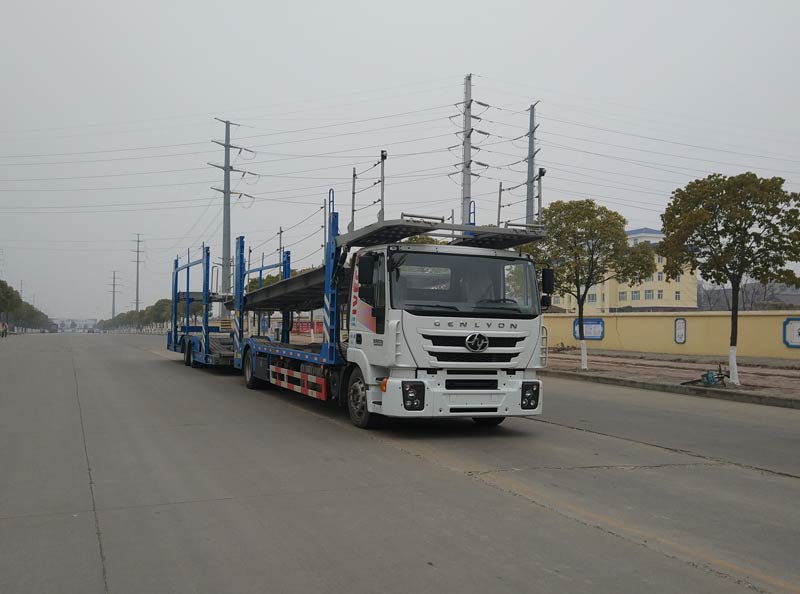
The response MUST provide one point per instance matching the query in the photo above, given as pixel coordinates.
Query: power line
(673, 155)
(208, 114)
(348, 123)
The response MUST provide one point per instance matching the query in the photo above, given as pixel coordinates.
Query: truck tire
(357, 401)
(187, 352)
(488, 421)
(250, 379)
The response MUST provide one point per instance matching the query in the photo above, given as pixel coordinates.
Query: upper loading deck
(306, 291)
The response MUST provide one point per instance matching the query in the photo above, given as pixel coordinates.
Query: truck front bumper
(439, 400)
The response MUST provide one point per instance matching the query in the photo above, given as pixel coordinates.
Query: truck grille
(458, 341)
(473, 357)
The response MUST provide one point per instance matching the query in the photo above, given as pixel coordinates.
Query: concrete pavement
(124, 471)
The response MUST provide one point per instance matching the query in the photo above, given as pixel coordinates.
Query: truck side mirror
(547, 301)
(548, 281)
(366, 268)
(366, 293)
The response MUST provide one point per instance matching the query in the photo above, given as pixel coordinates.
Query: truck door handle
(358, 339)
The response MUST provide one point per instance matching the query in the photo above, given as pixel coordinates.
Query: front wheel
(357, 401)
(488, 421)
(250, 379)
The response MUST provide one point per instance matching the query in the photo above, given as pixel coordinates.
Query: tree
(9, 298)
(587, 246)
(730, 228)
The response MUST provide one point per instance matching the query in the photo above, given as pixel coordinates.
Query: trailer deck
(302, 292)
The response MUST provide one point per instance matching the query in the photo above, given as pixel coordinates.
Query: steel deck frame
(185, 336)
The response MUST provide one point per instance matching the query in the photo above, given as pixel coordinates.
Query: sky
(107, 117)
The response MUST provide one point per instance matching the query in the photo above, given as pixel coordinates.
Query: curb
(735, 396)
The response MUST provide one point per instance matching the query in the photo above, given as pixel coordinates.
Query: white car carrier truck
(410, 330)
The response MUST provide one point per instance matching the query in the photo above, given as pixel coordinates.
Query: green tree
(732, 227)
(9, 299)
(587, 246)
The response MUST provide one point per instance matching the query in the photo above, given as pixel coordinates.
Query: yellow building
(656, 293)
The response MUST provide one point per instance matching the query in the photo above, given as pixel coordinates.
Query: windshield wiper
(439, 305)
(488, 305)
(501, 300)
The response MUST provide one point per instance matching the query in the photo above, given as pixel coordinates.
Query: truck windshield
(429, 283)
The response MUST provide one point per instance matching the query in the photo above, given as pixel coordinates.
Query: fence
(761, 333)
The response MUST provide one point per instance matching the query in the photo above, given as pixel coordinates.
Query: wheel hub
(358, 398)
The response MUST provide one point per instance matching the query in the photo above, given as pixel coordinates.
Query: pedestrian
(4, 330)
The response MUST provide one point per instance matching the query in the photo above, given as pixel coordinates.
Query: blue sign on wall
(680, 330)
(593, 329)
(791, 333)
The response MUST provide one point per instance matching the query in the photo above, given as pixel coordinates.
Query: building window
(634, 295)
(623, 295)
(677, 295)
(661, 259)
(678, 278)
(556, 299)
(592, 297)
(661, 276)
(649, 279)
(603, 297)
(648, 295)
(660, 294)
(635, 242)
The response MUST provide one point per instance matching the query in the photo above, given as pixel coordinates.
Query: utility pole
(384, 154)
(113, 294)
(531, 165)
(351, 227)
(138, 261)
(226, 206)
(499, 202)
(466, 170)
(539, 177)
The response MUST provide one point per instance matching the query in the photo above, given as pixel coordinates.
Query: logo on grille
(477, 342)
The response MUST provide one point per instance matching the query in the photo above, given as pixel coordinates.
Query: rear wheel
(488, 421)
(250, 380)
(357, 401)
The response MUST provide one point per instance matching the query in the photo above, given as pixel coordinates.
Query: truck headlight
(530, 395)
(413, 395)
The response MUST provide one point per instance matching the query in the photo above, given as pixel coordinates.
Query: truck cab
(443, 331)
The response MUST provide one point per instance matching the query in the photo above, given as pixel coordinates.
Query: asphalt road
(123, 471)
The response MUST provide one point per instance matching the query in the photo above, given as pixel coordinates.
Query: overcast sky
(107, 117)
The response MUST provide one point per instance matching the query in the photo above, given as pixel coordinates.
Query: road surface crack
(91, 479)
(710, 459)
(598, 467)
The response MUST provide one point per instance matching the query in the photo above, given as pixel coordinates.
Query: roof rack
(398, 229)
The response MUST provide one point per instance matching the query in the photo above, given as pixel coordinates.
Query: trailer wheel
(187, 352)
(488, 421)
(357, 401)
(250, 379)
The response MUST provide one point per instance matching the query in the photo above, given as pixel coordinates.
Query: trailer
(204, 344)
(409, 330)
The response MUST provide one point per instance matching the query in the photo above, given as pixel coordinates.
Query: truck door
(368, 312)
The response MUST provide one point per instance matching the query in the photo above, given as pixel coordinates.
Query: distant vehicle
(90, 331)
(53, 328)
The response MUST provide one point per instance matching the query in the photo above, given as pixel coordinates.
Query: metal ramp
(470, 235)
(220, 345)
(302, 292)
